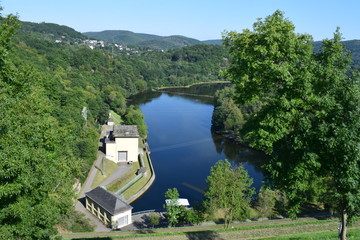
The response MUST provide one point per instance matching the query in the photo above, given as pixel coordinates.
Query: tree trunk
(342, 234)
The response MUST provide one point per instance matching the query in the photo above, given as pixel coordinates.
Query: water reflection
(144, 98)
(236, 152)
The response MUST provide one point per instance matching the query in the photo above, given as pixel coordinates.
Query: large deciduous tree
(229, 189)
(310, 123)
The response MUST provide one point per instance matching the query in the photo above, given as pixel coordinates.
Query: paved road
(80, 204)
(121, 170)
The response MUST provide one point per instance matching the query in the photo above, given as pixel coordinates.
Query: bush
(77, 222)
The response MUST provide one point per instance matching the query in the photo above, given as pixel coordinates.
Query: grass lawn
(331, 235)
(136, 187)
(282, 229)
(110, 167)
(116, 117)
(124, 179)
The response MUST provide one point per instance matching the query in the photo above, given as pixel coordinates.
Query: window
(122, 156)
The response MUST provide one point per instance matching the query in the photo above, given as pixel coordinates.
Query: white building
(108, 208)
(122, 145)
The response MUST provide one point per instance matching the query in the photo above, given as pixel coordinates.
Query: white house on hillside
(122, 145)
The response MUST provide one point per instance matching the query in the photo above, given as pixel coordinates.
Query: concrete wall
(114, 219)
(111, 152)
(129, 145)
(98, 211)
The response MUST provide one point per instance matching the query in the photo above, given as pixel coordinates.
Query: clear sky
(200, 19)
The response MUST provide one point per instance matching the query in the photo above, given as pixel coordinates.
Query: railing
(134, 180)
(142, 164)
(149, 211)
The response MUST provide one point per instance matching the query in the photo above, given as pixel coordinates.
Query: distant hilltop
(123, 39)
(147, 40)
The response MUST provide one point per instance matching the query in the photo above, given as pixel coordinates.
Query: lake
(183, 147)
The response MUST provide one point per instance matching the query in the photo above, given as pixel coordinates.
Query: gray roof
(107, 200)
(124, 131)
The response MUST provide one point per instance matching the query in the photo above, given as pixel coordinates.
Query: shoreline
(148, 183)
(193, 84)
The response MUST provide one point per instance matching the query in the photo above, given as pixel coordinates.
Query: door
(122, 156)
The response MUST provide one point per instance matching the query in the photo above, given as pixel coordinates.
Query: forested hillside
(75, 76)
(47, 76)
(142, 39)
(102, 78)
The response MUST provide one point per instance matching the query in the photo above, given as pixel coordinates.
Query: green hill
(142, 39)
(352, 45)
(122, 37)
(51, 31)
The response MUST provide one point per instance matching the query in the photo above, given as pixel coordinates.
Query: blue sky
(200, 19)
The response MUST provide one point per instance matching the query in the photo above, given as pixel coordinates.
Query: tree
(310, 122)
(154, 219)
(265, 202)
(227, 116)
(36, 163)
(173, 209)
(134, 116)
(229, 189)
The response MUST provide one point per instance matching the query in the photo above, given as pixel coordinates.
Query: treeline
(43, 146)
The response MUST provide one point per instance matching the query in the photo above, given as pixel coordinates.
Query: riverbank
(191, 85)
(148, 183)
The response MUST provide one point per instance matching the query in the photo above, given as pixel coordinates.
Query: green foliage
(229, 117)
(37, 165)
(134, 116)
(229, 189)
(173, 210)
(310, 123)
(270, 203)
(52, 31)
(154, 219)
(76, 221)
(141, 39)
(193, 216)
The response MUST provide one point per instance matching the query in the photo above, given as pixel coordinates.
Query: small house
(122, 145)
(110, 122)
(108, 208)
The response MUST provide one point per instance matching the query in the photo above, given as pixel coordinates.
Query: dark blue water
(183, 148)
